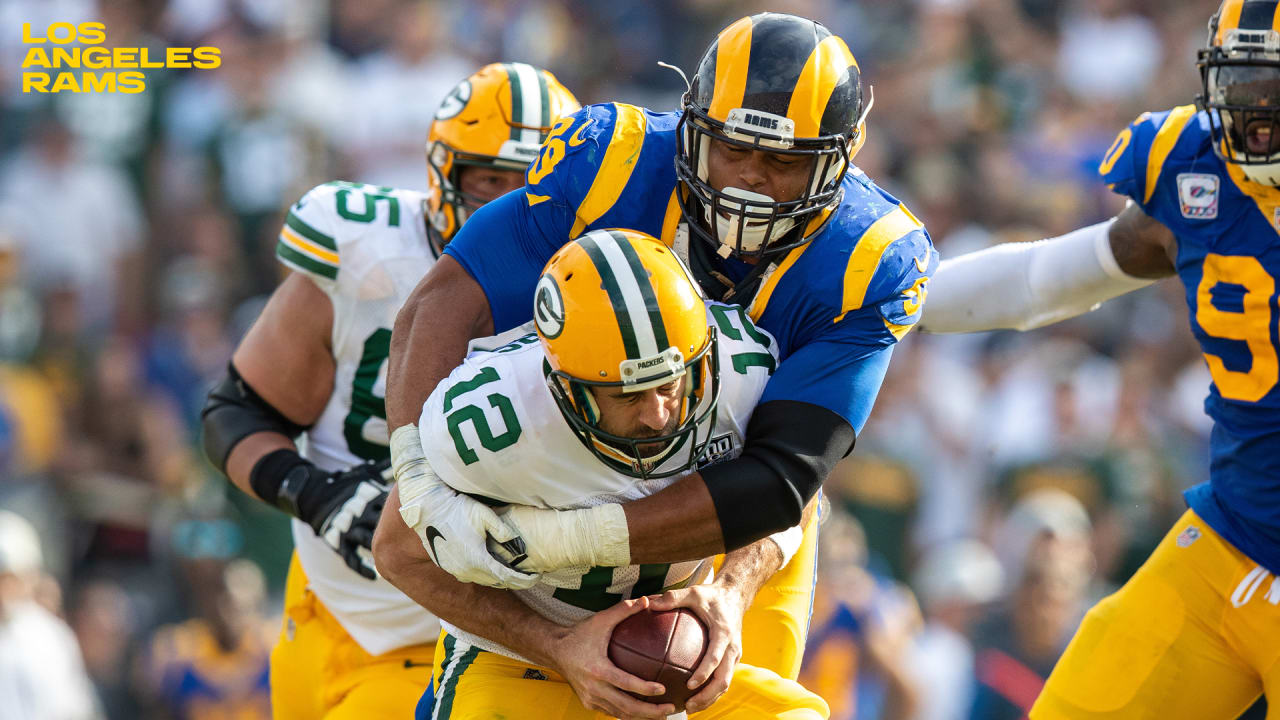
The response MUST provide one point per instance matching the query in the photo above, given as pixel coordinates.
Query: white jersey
(366, 247)
(492, 429)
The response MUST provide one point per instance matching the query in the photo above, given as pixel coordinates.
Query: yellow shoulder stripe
(615, 169)
(865, 257)
(534, 199)
(1163, 144)
(671, 220)
(766, 291)
(898, 330)
(306, 247)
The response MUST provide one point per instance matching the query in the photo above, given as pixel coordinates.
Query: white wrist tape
(413, 475)
(1026, 285)
(556, 539)
(788, 541)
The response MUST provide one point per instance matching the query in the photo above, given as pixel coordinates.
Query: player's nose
(751, 172)
(653, 410)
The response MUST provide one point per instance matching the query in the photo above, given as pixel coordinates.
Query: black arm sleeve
(234, 411)
(790, 449)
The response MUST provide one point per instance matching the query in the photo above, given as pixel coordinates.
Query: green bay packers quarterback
(630, 381)
(352, 646)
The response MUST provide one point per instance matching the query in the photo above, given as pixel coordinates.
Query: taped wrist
(232, 412)
(790, 449)
(287, 480)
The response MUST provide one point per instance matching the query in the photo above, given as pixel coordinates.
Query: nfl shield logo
(1198, 195)
(1188, 536)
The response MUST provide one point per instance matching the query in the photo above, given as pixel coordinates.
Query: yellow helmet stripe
(733, 54)
(828, 62)
(1228, 18)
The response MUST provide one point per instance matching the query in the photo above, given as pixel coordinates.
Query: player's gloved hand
(457, 531)
(342, 507)
(581, 654)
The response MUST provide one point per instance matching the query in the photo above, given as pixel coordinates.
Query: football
(664, 647)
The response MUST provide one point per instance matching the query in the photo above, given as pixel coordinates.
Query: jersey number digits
(370, 202)
(365, 403)
(1252, 324)
(742, 361)
(475, 415)
(593, 594)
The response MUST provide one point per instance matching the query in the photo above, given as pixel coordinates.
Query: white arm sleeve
(1026, 285)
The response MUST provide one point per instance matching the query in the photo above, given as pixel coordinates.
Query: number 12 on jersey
(475, 415)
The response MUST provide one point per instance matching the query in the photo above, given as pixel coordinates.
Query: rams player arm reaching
(757, 168)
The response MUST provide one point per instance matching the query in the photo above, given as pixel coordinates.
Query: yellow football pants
(776, 625)
(473, 684)
(319, 671)
(1194, 634)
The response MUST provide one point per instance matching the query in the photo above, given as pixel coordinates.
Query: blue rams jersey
(197, 679)
(836, 304)
(1228, 259)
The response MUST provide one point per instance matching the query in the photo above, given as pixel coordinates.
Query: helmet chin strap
(1268, 174)
(753, 236)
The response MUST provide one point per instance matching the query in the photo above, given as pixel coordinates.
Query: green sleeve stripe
(308, 232)
(305, 263)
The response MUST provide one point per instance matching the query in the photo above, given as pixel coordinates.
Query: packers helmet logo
(548, 308)
(455, 101)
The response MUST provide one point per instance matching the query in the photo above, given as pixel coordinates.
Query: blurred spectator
(215, 664)
(1045, 550)
(860, 631)
(42, 675)
(954, 583)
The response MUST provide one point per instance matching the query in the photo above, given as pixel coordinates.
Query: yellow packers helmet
(1240, 86)
(782, 84)
(617, 308)
(497, 118)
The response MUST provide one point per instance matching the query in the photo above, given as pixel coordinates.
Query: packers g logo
(454, 101)
(548, 308)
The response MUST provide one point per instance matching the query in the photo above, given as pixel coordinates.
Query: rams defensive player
(314, 363)
(630, 381)
(753, 184)
(1195, 633)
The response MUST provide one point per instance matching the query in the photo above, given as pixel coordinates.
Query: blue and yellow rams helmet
(1240, 86)
(617, 308)
(779, 83)
(496, 118)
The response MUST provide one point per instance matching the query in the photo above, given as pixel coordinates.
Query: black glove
(342, 507)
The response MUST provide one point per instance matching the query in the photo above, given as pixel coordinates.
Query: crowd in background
(1004, 482)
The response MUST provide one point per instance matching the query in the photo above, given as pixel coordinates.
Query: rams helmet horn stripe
(732, 51)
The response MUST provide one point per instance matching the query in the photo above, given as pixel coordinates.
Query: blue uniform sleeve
(505, 244)
(843, 359)
(1124, 167)
(840, 376)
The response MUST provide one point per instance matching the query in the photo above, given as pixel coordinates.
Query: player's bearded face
(637, 415)
(1252, 92)
(488, 183)
(781, 176)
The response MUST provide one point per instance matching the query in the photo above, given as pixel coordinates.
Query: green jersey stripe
(616, 298)
(297, 260)
(308, 232)
(646, 291)
(545, 92)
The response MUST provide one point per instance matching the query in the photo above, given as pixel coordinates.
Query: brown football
(663, 647)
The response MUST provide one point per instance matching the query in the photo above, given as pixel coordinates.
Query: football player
(752, 182)
(1195, 633)
(313, 364)
(630, 381)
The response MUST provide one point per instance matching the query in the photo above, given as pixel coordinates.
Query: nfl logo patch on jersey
(1188, 536)
(720, 448)
(1198, 195)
